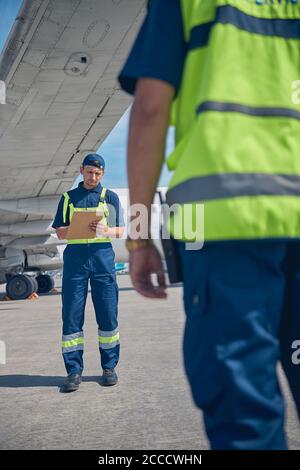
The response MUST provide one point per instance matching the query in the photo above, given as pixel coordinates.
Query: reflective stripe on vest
(101, 206)
(288, 29)
(237, 125)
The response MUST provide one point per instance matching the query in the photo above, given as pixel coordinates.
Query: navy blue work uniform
(94, 262)
(241, 298)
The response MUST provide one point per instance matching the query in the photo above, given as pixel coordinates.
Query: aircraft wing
(59, 65)
(62, 99)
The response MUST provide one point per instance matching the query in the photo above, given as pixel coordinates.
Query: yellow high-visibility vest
(237, 120)
(102, 206)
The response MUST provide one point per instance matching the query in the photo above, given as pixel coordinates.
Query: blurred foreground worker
(90, 259)
(229, 70)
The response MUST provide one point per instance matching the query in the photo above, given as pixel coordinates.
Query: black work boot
(71, 384)
(109, 377)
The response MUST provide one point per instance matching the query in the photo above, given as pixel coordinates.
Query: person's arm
(61, 232)
(104, 230)
(152, 72)
(149, 122)
(116, 232)
(59, 224)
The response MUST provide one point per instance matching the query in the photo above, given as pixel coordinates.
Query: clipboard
(79, 226)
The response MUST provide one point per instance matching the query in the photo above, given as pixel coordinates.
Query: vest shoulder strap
(65, 206)
(102, 195)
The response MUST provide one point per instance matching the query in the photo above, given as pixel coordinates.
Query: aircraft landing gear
(45, 283)
(20, 287)
(23, 286)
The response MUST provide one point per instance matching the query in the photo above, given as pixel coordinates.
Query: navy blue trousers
(242, 304)
(84, 262)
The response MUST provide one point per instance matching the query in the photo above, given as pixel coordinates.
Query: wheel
(19, 287)
(45, 283)
(35, 284)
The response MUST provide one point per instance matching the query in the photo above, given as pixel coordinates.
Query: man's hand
(98, 227)
(143, 262)
(105, 231)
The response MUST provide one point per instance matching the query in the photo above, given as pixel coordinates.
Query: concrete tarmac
(150, 407)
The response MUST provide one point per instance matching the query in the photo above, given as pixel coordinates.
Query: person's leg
(290, 325)
(233, 294)
(105, 299)
(74, 294)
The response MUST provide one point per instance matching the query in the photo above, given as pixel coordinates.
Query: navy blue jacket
(82, 197)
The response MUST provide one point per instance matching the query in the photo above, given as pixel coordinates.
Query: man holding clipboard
(88, 217)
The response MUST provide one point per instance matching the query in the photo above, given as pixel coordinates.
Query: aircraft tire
(19, 287)
(45, 283)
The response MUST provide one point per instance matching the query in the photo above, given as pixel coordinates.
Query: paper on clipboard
(79, 226)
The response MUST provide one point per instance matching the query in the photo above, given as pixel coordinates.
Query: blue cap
(94, 159)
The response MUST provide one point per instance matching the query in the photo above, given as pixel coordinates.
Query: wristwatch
(137, 244)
